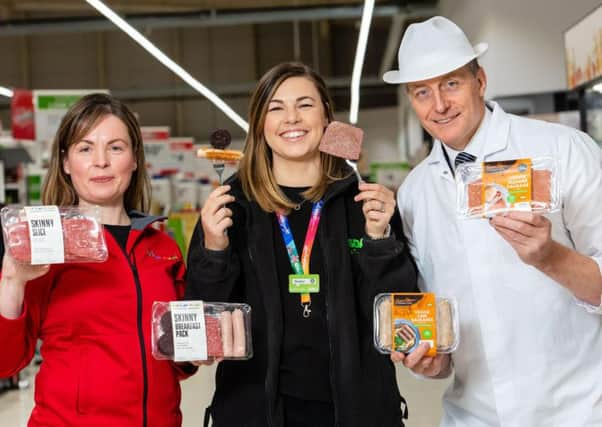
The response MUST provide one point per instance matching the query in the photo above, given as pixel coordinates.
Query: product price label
(45, 234)
(190, 338)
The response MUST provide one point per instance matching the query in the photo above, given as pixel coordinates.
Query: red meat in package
(214, 337)
(227, 330)
(83, 238)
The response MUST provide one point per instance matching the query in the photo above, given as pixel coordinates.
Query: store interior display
(189, 152)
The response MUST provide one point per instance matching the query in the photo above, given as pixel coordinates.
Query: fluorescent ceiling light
(358, 64)
(4, 91)
(168, 62)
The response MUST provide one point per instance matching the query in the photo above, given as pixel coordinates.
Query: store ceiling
(24, 9)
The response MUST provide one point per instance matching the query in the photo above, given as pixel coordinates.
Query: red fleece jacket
(94, 320)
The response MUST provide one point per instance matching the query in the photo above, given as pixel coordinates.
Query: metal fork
(219, 168)
(354, 167)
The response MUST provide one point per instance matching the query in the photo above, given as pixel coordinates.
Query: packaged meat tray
(404, 320)
(53, 235)
(490, 188)
(186, 331)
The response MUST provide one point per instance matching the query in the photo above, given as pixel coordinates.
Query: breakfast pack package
(490, 188)
(53, 235)
(186, 331)
(404, 320)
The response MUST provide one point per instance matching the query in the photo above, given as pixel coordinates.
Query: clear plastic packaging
(53, 235)
(187, 331)
(403, 320)
(490, 188)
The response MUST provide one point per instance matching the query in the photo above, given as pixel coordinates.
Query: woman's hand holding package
(378, 208)
(216, 218)
(438, 366)
(19, 274)
(12, 286)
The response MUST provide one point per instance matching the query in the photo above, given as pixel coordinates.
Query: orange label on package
(506, 184)
(413, 321)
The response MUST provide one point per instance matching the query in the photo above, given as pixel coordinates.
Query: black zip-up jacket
(364, 387)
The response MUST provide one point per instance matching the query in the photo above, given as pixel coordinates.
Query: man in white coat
(528, 286)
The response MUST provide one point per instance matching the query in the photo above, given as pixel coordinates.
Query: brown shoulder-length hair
(255, 172)
(81, 118)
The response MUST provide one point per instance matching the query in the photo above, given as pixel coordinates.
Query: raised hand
(529, 234)
(378, 207)
(19, 274)
(216, 218)
(12, 285)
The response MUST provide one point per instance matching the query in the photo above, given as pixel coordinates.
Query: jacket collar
(140, 220)
(497, 134)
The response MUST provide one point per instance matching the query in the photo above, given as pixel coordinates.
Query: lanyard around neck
(301, 266)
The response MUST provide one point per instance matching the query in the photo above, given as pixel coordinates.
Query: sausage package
(186, 331)
(53, 235)
(403, 320)
(490, 188)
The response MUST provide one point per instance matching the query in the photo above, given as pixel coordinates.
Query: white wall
(526, 45)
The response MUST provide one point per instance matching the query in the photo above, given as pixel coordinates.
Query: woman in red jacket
(94, 319)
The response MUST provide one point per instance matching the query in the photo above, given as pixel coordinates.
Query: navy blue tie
(464, 157)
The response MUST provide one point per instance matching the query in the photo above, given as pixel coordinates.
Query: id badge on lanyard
(301, 281)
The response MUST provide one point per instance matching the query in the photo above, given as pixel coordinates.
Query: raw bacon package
(186, 331)
(403, 320)
(53, 235)
(490, 188)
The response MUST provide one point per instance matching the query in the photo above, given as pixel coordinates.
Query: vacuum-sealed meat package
(404, 320)
(187, 331)
(490, 188)
(53, 235)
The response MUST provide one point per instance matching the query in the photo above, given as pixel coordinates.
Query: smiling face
(450, 107)
(101, 163)
(295, 121)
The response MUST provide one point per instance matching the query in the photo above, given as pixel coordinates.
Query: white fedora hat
(432, 48)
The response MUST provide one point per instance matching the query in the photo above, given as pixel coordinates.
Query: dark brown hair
(81, 118)
(256, 175)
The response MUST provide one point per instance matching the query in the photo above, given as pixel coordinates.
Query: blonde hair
(255, 173)
(81, 118)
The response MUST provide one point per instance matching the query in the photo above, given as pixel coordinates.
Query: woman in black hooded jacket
(314, 362)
